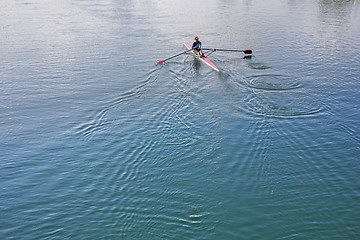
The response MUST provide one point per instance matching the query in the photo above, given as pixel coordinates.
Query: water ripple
(273, 82)
(283, 104)
(97, 121)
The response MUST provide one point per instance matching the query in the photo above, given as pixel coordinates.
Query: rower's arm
(198, 45)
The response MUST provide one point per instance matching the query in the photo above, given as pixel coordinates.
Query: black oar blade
(248, 51)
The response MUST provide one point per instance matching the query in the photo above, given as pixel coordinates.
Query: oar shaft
(229, 50)
(174, 56)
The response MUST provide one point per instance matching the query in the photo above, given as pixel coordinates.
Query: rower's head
(196, 39)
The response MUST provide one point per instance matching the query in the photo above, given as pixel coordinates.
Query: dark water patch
(273, 82)
(258, 66)
(283, 104)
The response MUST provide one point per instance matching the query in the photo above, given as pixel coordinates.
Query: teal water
(99, 142)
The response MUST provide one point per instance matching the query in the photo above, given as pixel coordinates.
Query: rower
(197, 47)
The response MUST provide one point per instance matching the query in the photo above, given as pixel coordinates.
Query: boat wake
(145, 135)
(97, 121)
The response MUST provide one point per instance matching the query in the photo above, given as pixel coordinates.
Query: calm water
(98, 142)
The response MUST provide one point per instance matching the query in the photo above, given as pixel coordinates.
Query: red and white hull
(203, 59)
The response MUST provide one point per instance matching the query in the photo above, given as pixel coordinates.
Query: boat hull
(203, 59)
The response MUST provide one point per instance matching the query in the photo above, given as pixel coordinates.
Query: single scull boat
(203, 59)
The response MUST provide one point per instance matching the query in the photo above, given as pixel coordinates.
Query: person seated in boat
(197, 47)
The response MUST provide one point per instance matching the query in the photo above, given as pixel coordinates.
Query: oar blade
(248, 51)
(160, 62)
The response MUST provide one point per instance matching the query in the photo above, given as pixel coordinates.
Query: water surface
(97, 141)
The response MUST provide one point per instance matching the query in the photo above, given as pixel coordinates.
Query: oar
(229, 50)
(173, 56)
